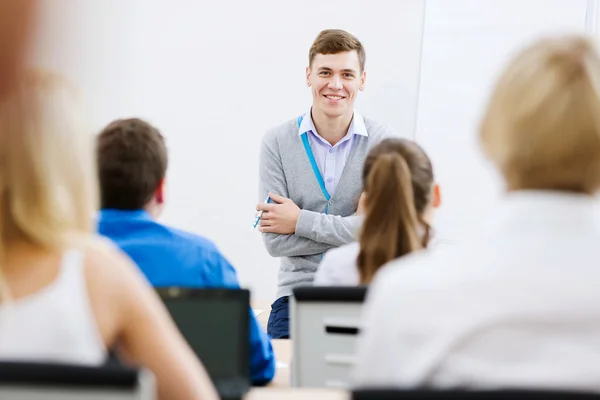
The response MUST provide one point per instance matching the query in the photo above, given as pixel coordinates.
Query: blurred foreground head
(17, 23)
(541, 128)
(47, 169)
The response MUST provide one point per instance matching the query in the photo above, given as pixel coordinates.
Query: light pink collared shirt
(332, 159)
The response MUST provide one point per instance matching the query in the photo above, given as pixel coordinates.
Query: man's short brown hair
(334, 41)
(132, 161)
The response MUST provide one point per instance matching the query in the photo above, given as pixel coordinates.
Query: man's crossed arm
(295, 232)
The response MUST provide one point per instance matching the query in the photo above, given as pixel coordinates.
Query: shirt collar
(544, 209)
(357, 126)
(111, 213)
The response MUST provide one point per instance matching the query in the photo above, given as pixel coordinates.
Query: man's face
(335, 80)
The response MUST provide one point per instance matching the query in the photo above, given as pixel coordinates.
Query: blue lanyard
(314, 166)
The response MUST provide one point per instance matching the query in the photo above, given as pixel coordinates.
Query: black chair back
(507, 394)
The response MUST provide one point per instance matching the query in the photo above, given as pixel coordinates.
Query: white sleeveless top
(56, 324)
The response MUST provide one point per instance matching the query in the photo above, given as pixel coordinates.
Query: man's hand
(280, 217)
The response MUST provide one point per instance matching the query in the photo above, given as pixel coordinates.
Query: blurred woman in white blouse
(518, 306)
(65, 295)
(400, 196)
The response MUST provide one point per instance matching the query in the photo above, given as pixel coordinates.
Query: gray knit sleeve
(272, 179)
(330, 229)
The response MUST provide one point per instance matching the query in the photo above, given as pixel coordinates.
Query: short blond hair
(542, 124)
(48, 183)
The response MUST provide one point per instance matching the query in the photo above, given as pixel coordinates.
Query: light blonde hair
(48, 189)
(542, 124)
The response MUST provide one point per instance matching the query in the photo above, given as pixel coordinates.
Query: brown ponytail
(398, 179)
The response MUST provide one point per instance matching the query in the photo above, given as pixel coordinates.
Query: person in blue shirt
(132, 164)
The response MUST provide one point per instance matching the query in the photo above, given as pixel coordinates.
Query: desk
(279, 388)
(297, 394)
(283, 354)
(265, 307)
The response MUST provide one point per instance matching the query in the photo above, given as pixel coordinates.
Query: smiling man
(311, 169)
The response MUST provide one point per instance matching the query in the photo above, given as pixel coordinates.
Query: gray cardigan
(284, 169)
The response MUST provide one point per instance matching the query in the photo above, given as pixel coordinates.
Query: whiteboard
(466, 43)
(214, 77)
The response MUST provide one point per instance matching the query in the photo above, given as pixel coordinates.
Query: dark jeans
(279, 319)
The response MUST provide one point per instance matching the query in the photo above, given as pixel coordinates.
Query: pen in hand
(259, 214)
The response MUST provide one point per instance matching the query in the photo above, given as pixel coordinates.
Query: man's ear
(437, 196)
(159, 194)
(363, 79)
(308, 76)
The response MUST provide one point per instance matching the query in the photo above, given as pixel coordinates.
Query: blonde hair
(542, 124)
(48, 189)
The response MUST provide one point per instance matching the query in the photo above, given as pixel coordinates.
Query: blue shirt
(170, 257)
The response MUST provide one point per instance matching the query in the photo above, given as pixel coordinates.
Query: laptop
(216, 324)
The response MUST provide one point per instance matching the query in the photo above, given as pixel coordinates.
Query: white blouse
(338, 267)
(518, 305)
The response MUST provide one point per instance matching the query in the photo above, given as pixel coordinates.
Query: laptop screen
(215, 322)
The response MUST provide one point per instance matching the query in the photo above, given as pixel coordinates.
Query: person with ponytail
(400, 195)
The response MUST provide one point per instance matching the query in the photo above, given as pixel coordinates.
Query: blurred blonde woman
(66, 296)
(519, 305)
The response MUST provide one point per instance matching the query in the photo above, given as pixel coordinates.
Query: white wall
(593, 15)
(88, 41)
(466, 43)
(214, 79)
